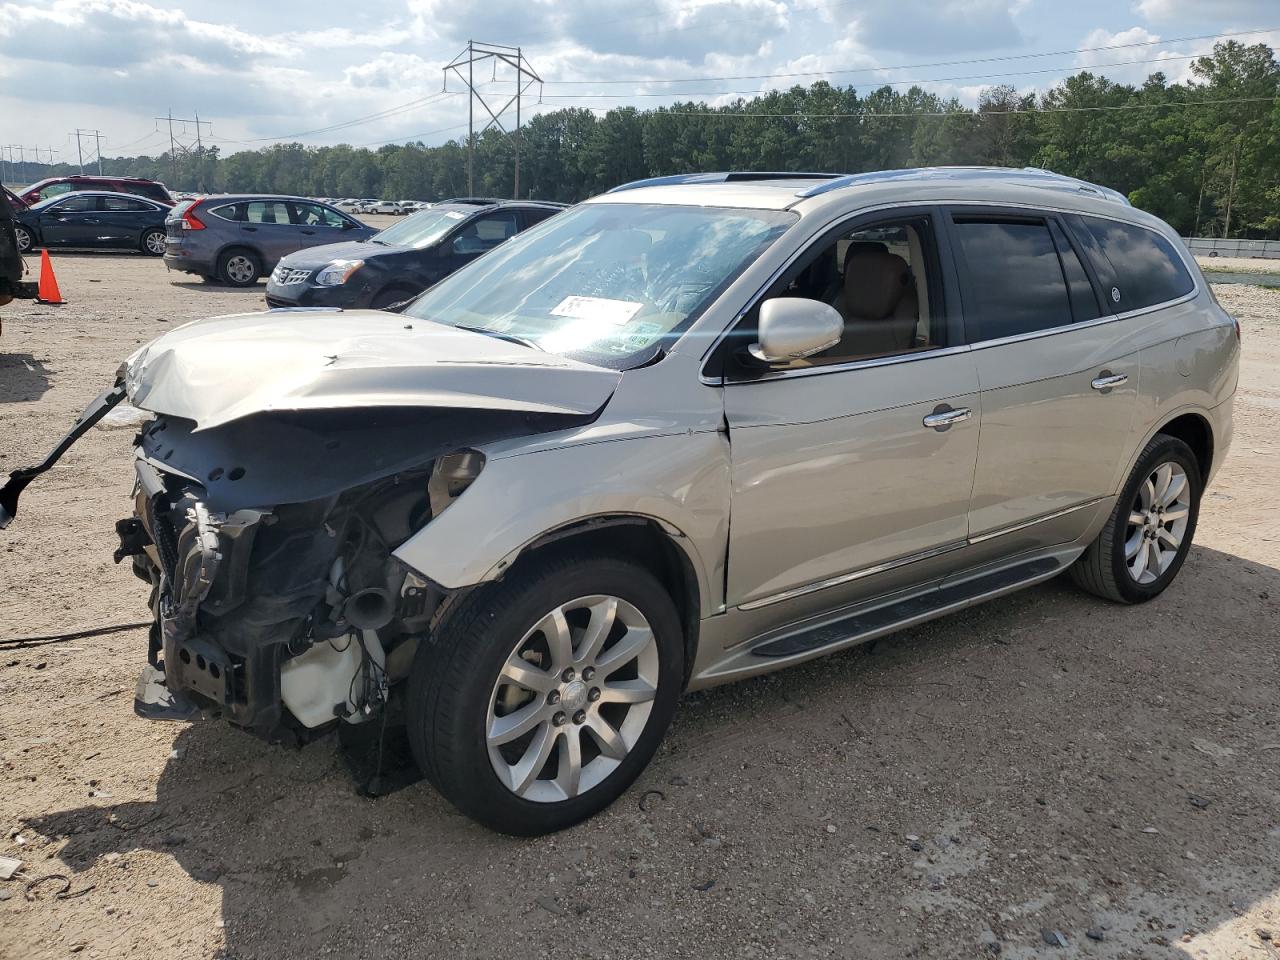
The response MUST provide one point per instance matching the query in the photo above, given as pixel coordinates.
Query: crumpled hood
(314, 257)
(218, 370)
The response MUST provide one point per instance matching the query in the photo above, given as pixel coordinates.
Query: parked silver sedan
(693, 430)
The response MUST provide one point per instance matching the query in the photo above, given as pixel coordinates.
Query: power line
(959, 113)
(886, 83)
(919, 66)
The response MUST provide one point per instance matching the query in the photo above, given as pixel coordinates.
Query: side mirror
(348, 225)
(792, 328)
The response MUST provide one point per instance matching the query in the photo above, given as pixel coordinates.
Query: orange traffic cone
(48, 291)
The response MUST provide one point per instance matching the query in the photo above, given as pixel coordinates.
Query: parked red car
(51, 187)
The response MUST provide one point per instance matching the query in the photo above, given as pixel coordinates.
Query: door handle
(944, 417)
(1106, 380)
(249, 229)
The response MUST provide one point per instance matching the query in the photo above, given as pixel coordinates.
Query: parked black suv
(403, 260)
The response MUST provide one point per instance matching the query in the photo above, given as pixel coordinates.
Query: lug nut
(580, 716)
(553, 696)
(588, 673)
(593, 694)
(558, 720)
(567, 676)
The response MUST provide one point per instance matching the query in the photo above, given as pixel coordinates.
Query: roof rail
(1027, 176)
(732, 176)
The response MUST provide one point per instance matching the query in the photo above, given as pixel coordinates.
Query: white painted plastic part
(314, 684)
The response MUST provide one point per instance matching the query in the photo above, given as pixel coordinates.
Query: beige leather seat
(878, 303)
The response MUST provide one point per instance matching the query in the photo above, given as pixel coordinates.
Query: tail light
(189, 220)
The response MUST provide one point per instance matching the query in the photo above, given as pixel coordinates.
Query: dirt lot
(1047, 764)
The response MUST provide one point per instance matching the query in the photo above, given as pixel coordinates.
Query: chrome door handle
(943, 419)
(1105, 381)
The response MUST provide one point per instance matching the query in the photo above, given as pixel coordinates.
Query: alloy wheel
(572, 699)
(1158, 521)
(24, 239)
(154, 242)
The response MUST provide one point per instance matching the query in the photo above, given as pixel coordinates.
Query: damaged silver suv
(693, 430)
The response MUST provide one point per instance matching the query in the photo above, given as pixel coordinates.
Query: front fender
(680, 480)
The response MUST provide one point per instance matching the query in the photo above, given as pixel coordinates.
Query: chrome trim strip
(769, 375)
(913, 558)
(849, 577)
(984, 537)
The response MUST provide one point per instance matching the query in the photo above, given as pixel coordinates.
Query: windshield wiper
(509, 337)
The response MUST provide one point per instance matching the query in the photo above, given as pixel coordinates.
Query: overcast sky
(260, 70)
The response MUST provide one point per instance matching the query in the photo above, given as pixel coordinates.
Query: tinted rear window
(1147, 268)
(1016, 283)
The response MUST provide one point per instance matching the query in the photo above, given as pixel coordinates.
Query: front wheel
(1146, 538)
(546, 694)
(24, 238)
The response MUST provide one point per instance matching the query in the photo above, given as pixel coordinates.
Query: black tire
(1102, 569)
(25, 240)
(239, 267)
(454, 676)
(147, 241)
(390, 296)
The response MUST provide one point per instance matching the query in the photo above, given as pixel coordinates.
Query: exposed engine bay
(268, 546)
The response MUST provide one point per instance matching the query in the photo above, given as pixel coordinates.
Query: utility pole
(176, 144)
(97, 144)
(526, 77)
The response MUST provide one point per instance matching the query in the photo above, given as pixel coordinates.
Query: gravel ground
(1008, 780)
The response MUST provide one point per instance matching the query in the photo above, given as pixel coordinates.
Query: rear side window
(1015, 281)
(266, 211)
(126, 204)
(228, 211)
(1146, 267)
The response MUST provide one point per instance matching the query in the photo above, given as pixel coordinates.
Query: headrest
(874, 281)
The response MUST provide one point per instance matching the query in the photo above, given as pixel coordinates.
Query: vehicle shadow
(1030, 748)
(23, 378)
(215, 288)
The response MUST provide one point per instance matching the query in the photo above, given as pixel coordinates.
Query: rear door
(124, 218)
(73, 222)
(269, 228)
(1059, 381)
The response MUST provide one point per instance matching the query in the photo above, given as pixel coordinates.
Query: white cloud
(1260, 10)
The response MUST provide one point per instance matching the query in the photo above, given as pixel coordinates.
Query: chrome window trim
(863, 572)
(1196, 290)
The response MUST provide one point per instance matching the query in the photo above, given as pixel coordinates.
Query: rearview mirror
(792, 328)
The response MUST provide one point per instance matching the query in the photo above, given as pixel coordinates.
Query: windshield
(422, 229)
(605, 283)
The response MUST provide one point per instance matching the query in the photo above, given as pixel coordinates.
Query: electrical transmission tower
(97, 147)
(183, 142)
(525, 78)
(20, 165)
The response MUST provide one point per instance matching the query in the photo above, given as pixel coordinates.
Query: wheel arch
(1195, 430)
(655, 545)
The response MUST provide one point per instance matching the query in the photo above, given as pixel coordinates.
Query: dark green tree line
(1204, 155)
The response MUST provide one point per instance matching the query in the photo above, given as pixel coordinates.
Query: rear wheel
(24, 238)
(546, 694)
(239, 267)
(1147, 537)
(153, 243)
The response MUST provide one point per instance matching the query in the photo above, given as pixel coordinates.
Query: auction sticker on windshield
(596, 308)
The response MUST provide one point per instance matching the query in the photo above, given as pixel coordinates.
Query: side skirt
(867, 621)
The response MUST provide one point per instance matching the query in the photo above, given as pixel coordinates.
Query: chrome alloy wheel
(240, 268)
(23, 237)
(155, 242)
(1157, 522)
(572, 699)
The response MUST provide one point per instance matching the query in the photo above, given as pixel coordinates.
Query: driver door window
(484, 234)
(885, 282)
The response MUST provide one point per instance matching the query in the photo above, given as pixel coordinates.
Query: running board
(917, 607)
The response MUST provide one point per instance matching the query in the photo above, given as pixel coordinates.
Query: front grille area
(284, 276)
